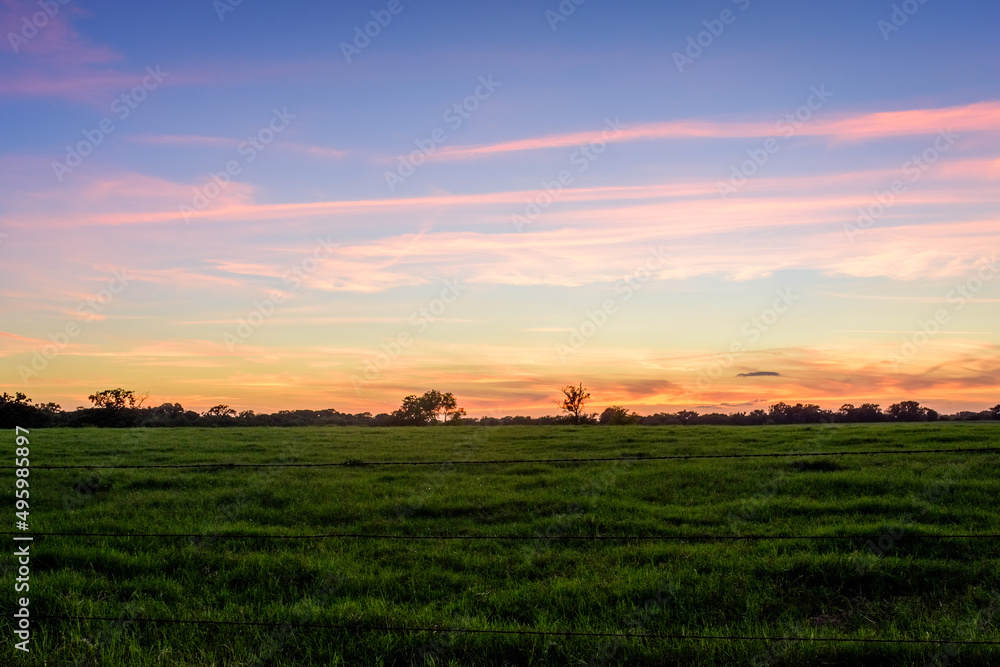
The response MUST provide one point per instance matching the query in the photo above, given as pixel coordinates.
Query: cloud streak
(979, 117)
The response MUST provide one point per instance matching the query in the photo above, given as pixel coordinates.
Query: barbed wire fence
(443, 641)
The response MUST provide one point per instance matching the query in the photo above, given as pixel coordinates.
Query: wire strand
(369, 536)
(366, 464)
(543, 633)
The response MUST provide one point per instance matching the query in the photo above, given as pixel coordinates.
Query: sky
(713, 206)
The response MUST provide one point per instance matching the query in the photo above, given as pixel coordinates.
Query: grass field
(917, 588)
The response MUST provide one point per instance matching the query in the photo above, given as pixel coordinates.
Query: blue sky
(315, 198)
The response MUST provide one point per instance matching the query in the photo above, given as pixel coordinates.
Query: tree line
(126, 408)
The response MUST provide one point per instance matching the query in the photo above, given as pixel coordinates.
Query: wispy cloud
(181, 140)
(57, 43)
(983, 116)
(321, 151)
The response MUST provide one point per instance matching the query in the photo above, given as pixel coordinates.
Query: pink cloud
(321, 151)
(238, 207)
(58, 62)
(182, 140)
(979, 117)
(56, 42)
(121, 196)
(54, 60)
(199, 140)
(570, 241)
(183, 278)
(982, 116)
(34, 341)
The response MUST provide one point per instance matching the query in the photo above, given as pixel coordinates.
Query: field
(917, 587)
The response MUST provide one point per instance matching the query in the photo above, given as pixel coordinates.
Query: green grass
(918, 588)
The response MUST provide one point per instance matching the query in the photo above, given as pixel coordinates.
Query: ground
(894, 581)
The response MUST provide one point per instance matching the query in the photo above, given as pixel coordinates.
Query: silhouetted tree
(755, 418)
(166, 414)
(411, 413)
(910, 411)
(431, 403)
(382, 419)
(122, 408)
(687, 416)
(449, 406)
(113, 408)
(169, 410)
(616, 415)
(575, 399)
(782, 413)
(423, 410)
(17, 410)
(117, 399)
(713, 419)
(868, 412)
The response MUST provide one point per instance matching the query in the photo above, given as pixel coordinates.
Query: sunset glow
(485, 202)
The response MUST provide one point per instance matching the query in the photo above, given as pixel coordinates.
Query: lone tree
(423, 410)
(576, 398)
